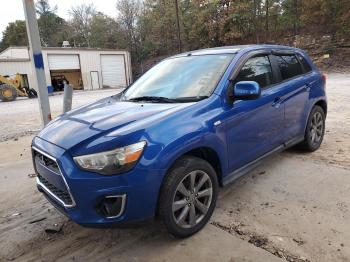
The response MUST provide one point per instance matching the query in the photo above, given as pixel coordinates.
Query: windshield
(189, 78)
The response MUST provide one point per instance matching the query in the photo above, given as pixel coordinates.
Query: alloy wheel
(192, 199)
(316, 128)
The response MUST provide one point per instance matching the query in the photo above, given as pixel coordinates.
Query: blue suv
(192, 123)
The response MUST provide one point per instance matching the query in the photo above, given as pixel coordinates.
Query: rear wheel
(8, 93)
(188, 196)
(315, 130)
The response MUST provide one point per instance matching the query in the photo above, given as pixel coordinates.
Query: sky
(13, 9)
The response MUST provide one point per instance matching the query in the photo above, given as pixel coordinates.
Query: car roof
(235, 49)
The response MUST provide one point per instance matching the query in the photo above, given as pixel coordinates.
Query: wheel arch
(203, 152)
(211, 156)
(323, 104)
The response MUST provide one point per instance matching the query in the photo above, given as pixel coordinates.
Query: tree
(81, 19)
(43, 7)
(15, 34)
(128, 17)
(51, 26)
(129, 12)
(105, 32)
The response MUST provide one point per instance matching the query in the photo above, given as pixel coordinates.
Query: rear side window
(289, 66)
(306, 65)
(256, 69)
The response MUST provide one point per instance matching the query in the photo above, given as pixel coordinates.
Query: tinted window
(289, 66)
(257, 69)
(306, 65)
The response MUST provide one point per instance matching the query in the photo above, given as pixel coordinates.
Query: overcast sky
(12, 10)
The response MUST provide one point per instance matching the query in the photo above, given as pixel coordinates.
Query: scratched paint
(38, 61)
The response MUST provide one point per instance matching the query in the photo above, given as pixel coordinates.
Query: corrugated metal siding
(113, 71)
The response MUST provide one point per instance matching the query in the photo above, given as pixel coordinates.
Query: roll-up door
(63, 62)
(113, 70)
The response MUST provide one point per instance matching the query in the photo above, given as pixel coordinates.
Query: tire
(32, 93)
(315, 130)
(183, 212)
(8, 93)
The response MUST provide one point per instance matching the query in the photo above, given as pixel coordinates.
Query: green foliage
(14, 35)
(51, 26)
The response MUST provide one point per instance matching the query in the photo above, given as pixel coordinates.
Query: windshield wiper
(190, 99)
(161, 99)
(152, 99)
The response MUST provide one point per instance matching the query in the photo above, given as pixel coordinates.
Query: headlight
(112, 162)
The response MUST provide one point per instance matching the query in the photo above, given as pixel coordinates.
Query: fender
(182, 146)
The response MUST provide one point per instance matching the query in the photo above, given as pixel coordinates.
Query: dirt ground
(21, 117)
(294, 207)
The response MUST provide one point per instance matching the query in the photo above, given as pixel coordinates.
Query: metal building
(84, 68)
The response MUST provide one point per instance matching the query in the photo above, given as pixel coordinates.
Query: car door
(254, 127)
(296, 83)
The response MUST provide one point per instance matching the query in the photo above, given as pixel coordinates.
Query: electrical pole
(37, 60)
(178, 25)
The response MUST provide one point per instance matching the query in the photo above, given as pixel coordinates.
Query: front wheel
(8, 93)
(315, 130)
(188, 196)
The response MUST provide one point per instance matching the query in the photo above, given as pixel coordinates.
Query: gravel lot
(294, 207)
(21, 117)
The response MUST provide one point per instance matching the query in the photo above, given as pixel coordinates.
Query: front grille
(62, 195)
(47, 162)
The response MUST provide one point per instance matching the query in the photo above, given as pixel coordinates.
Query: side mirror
(246, 90)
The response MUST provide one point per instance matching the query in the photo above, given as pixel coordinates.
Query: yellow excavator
(12, 87)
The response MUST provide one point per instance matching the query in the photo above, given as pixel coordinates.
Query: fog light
(112, 206)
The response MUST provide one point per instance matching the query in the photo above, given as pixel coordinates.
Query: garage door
(113, 70)
(63, 62)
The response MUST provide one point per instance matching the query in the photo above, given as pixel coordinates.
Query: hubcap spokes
(192, 199)
(316, 128)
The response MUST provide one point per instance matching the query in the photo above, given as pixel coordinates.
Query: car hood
(103, 117)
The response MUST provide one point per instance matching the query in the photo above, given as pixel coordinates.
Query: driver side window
(257, 69)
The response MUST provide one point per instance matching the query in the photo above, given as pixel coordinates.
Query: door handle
(277, 102)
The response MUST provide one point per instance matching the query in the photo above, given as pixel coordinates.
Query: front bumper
(139, 188)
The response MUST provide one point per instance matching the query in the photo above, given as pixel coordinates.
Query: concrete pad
(211, 244)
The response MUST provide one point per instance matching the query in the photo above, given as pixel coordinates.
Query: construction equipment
(12, 87)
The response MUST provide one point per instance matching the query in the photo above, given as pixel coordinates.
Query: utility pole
(178, 25)
(37, 60)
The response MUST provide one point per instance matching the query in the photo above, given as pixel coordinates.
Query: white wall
(89, 61)
(11, 67)
(15, 52)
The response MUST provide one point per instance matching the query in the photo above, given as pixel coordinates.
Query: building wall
(11, 67)
(89, 61)
(15, 52)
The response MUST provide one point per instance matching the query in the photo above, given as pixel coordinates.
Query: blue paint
(38, 61)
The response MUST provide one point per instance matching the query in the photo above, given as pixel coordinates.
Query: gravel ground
(21, 117)
(293, 207)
